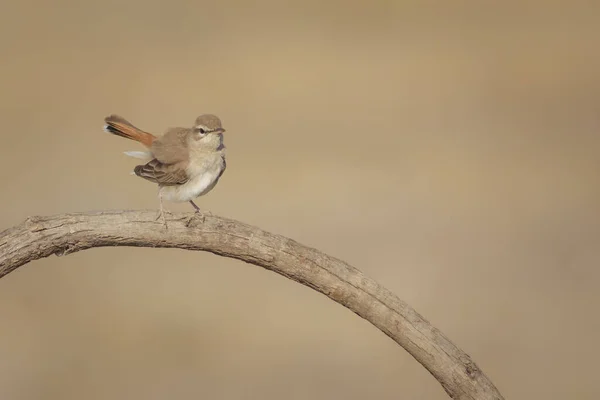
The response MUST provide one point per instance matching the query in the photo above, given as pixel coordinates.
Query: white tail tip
(138, 154)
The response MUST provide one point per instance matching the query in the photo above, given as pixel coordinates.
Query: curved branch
(40, 237)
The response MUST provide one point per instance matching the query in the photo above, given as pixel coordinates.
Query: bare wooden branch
(40, 237)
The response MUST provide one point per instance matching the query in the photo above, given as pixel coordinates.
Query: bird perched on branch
(185, 162)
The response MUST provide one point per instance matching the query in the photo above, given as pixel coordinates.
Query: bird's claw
(161, 215)
(198, 215)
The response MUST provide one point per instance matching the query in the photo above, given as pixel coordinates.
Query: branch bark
(40, 237)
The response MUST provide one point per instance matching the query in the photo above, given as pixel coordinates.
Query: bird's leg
(195, 206)
(197, 213)
(161, 213)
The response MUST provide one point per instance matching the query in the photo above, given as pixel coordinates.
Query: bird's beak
(220, 130)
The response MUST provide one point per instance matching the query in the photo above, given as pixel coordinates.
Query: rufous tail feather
(121, 127)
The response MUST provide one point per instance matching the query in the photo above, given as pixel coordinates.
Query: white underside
(204, 176)
(193, 188)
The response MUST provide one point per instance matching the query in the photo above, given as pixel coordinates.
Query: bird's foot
(197, 216)
(161, 216)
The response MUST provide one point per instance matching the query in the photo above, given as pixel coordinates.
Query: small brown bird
(185, 162)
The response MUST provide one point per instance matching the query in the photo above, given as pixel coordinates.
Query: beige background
(450, 150)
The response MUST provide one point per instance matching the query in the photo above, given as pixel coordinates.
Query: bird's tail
(121, 127)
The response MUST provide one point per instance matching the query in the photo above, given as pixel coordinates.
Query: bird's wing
(163, 174)
(172, 147)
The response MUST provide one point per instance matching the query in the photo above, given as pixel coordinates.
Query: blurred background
(450, 150)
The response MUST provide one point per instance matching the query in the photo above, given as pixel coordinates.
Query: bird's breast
(203, 171)
(205, 164)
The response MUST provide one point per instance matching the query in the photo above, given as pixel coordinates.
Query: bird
(185, 162)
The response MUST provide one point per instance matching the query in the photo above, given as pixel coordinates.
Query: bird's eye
(202, 130)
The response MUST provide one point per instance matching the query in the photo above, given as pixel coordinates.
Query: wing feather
(163, 174)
